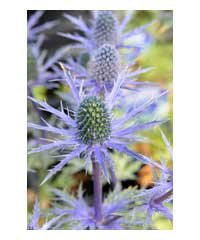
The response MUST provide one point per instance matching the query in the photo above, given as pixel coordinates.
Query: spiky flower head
(105, 65)
(105, 28)
(93, 121)
(95, 139)
(80, 215)
(32, 69)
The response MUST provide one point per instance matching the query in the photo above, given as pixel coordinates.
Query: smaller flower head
(105, 65)
(93, 121)
(105, 28)
(81, 216)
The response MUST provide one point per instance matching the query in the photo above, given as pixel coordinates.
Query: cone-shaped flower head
(93, 131)
(93, 121)
(105, 65)
(105, 28)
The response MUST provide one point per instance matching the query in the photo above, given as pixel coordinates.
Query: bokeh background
(159, 55)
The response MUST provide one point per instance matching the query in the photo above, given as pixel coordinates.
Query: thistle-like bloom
(78, 215)
(106, 29)
(37, 214)
(103, 69)
(120, 206)
(153, 200)
(99, 65)
(93, 131)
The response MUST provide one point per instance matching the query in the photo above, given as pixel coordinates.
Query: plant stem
(163, 197)
(97, 190)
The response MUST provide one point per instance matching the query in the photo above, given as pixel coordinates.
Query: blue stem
(97, 190)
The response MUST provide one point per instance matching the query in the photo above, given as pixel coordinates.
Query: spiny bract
(105, 64)
(93, 121)
(105, 28)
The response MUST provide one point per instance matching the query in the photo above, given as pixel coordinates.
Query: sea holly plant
(93, 132)
(100, 46)
(131, 208)
(104, 68)
(106, 29)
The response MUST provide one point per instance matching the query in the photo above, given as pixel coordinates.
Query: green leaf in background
(39, 92)
(125, 167)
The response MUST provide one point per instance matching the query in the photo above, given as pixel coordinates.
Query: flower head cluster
(106, 29)
(101, 63)
(92, 130)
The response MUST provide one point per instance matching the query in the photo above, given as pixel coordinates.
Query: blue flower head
(105, 65)
(100, 63)
(93, 121)
(93, 130)
(80, 216)
(105, 28)
(103, 69)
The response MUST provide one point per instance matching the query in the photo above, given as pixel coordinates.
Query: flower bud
(105, 65)
(105, 28)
